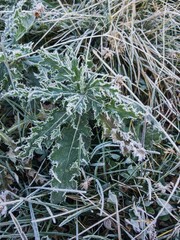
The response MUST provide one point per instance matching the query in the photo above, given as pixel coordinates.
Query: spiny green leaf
(44, 132)
(121, 109)
(23, 22)
(66, 156)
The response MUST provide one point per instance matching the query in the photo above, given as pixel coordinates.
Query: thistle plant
(89, 119)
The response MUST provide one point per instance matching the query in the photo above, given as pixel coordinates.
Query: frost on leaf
(22, 23)
(127, 145)
(43, 133)
(164, 188)
(66, 157)
(167, 208)
(3, 198)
